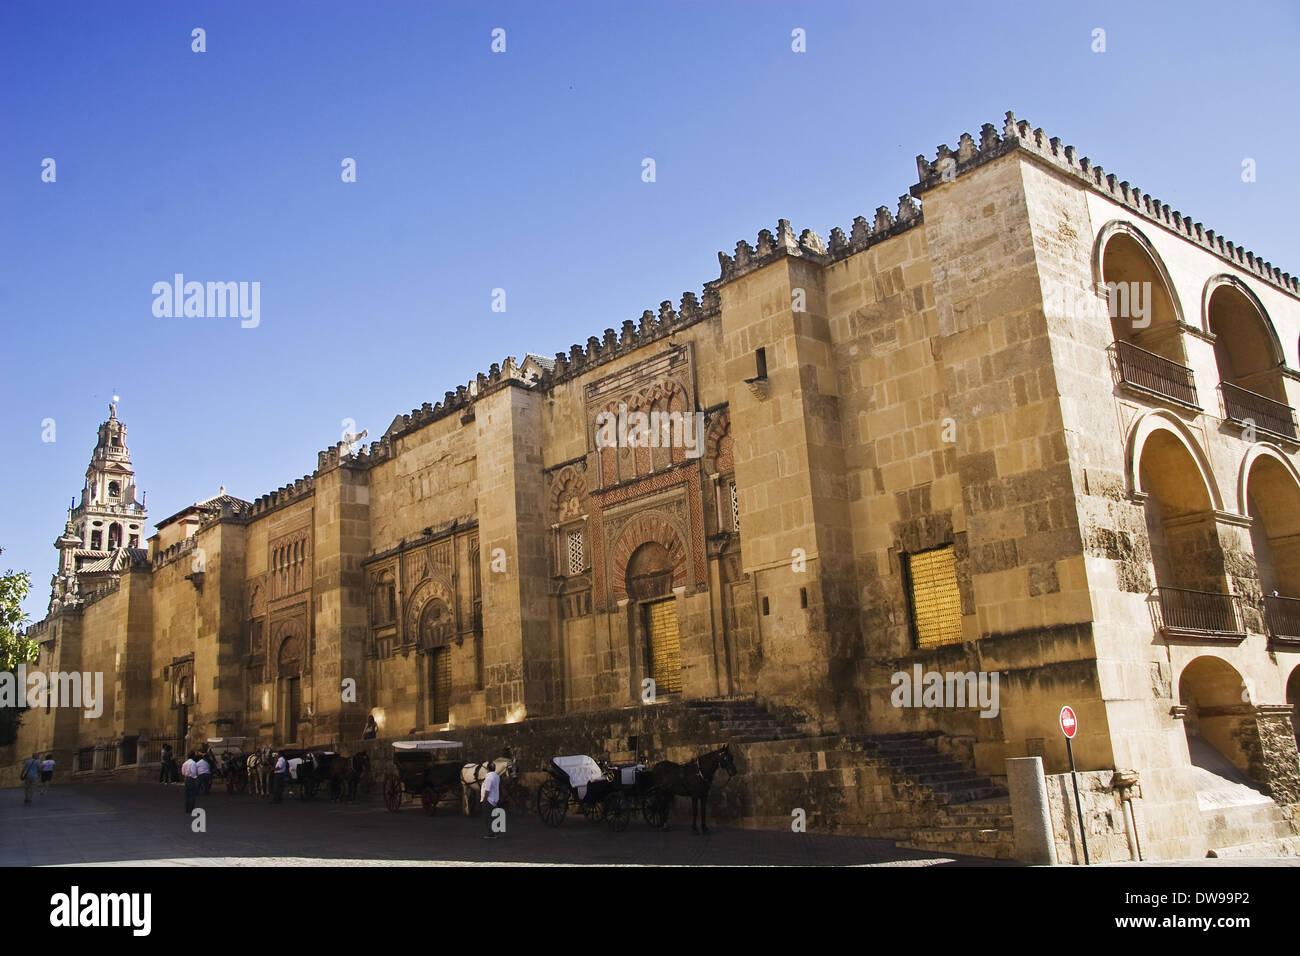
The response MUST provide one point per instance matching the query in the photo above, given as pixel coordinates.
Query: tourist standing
(371, 730)
(47, 772)
(489, 798)
(167, 770)
(278, 778)
(203, 770)
(31, 771)
(190, 776)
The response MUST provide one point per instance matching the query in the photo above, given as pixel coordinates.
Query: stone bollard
(1030, 814)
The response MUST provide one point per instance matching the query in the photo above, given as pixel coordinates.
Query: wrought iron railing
(85, 759)
(110, 758)
(1202, 612)
(152, 751)
(1155, 373)
(1243, 405)
(1282, 615)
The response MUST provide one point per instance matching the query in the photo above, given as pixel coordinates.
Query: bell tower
(107, 520)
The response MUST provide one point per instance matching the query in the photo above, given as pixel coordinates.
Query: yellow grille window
(935, 598)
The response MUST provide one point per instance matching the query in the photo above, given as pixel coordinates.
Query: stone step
(1287, 846)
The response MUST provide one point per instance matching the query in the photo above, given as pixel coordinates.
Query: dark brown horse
(692, 780)
(345, 774)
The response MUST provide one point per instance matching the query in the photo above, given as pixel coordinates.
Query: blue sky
(519, 171)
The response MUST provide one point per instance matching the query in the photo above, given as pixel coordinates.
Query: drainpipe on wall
(1126, 782)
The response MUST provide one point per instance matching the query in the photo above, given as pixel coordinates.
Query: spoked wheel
(393, 792)
(618, 814)
(429, 800)
(552, 803)
(593, 811)
(306, 789)
(655, 809)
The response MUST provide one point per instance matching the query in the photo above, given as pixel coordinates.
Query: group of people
(36, 770)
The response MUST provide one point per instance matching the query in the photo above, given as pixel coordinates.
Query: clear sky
(518, 170)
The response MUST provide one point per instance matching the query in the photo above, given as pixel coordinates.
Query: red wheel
(429, 797)
(393, 792)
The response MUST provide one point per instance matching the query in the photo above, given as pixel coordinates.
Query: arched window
(384, 599)
(114, 536)
(114, 489)
(1249, 358)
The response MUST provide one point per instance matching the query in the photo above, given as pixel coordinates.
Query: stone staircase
(894, 786)
(743, 721)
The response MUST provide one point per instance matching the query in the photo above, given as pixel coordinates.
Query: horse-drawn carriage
(608, 793)
(429, 768)
(229, 762)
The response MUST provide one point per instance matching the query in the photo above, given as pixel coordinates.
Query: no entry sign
(1069, 723)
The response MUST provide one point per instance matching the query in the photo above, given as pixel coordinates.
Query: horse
(692, 780)
(472, 774)
(253, 765)
(345, 774)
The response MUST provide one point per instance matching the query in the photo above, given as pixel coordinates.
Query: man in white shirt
(489, 797)
(278, 778)
(190, 777)
(203, 770)
(47, 772)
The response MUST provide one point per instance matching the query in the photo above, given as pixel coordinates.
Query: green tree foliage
(15, 649)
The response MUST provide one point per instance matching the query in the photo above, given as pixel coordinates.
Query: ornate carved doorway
(650, 583)
(289, 669)
(436, 629)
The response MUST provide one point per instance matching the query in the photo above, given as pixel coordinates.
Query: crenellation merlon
(1016, 134)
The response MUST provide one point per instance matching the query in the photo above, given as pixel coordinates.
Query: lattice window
(576, 563)
(935, 597)
(735, 508)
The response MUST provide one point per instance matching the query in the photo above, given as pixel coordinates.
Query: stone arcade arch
(1249, 357)
(1270, 490)
(1123, 254)
(1171, 476)
(1218, 712)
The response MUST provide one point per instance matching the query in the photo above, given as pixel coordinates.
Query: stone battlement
(1016, 134)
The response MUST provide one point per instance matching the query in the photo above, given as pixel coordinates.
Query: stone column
(1030, 814)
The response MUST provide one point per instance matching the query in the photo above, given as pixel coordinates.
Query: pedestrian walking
(203, 770)
(167, 771)
(190, 776)
(278, 778)
(490, 798)
(31, 772)
(47, 772)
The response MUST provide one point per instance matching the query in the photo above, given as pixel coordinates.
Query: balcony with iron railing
(1282, 616)
(1247, 407)
(1155, 374)
(1199, 615)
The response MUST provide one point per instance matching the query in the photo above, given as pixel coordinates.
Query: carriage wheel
(393, 792)
(656, 806)
(593, 811)
(552, 803)
(618, 813)
(429, 798)
(306, 789)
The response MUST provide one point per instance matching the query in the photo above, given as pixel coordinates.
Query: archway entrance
(650, 584)
(289, 669)
(1219, 713)
(436, 630)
